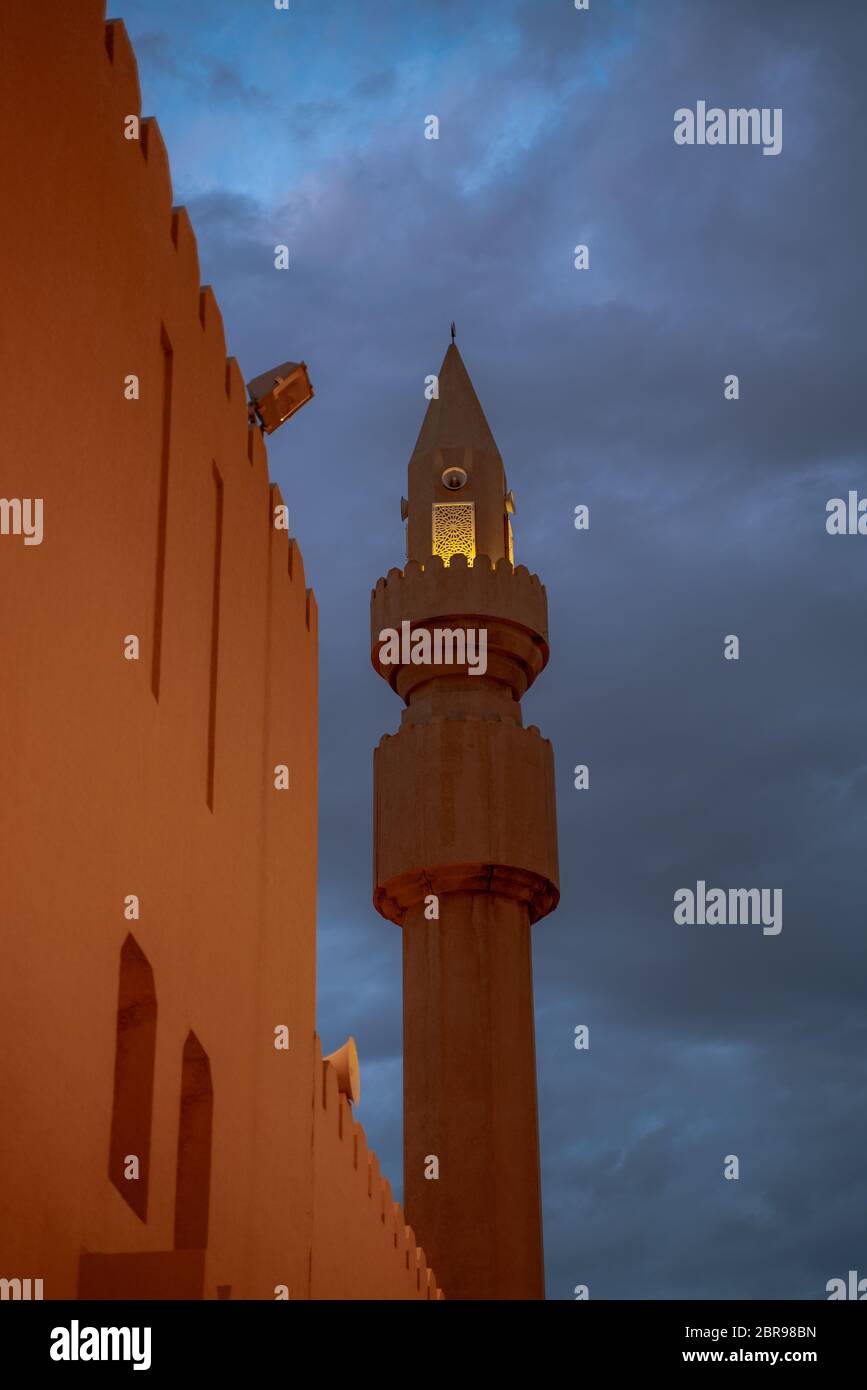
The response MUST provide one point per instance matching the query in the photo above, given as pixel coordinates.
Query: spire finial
(454, 330)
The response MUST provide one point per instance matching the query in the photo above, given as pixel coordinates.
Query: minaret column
(470, 1096)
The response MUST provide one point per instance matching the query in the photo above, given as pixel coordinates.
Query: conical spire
(455, 420)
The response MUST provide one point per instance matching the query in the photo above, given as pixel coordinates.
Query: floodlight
(276, 395)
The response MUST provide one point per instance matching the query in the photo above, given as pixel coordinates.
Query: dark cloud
(197, 72)
(154, 52)
(222, 83)
(707, 518)
(375, 84)
(308, 119)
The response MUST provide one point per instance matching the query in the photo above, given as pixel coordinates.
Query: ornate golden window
(454, 530)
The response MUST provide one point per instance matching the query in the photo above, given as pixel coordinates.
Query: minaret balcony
(508, 605)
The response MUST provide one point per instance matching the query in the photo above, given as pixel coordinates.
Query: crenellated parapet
(509, 604)
(220, 382)
(358, 1227)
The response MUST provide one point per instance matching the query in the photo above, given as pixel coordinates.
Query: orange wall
(104, 782)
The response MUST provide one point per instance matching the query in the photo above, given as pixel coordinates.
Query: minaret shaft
(470, 1096)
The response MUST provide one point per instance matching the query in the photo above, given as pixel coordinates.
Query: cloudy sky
(602, 387)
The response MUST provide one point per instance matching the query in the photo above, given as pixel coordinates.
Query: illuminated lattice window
(454, 530)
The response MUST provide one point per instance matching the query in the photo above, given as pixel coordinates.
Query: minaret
(465, 853)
